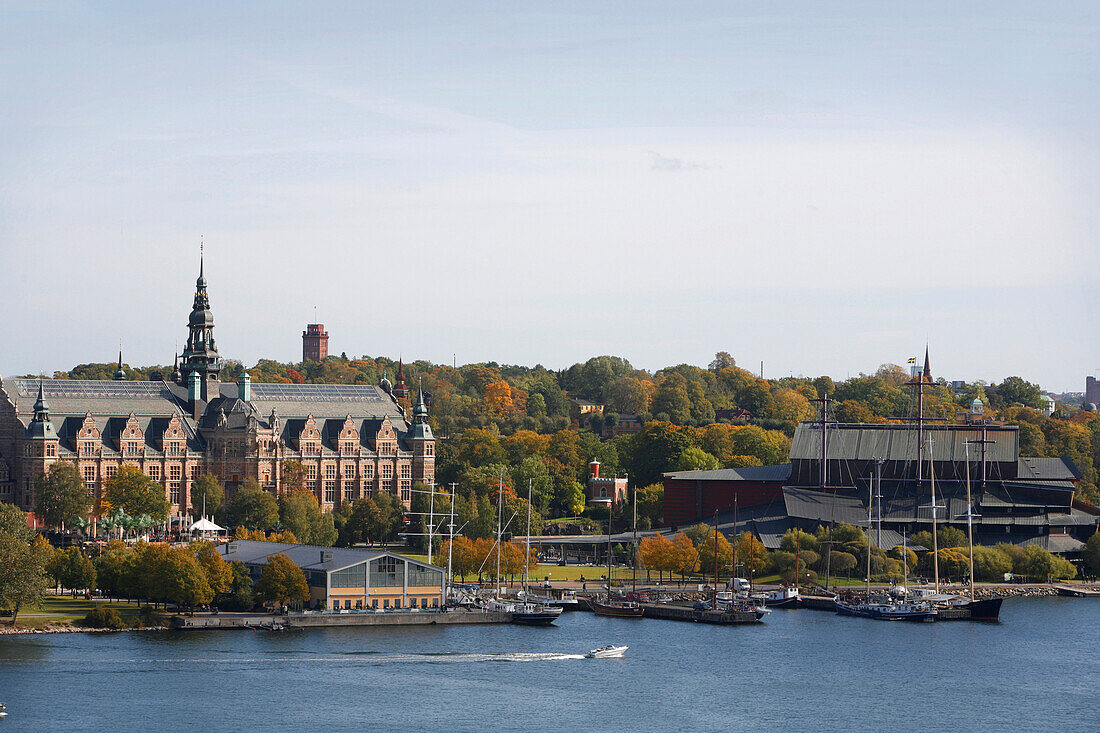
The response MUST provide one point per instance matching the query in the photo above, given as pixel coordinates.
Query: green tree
(991, 564)
(206, 494)
(300, 513)
(23, 558)
(219, 576)
(282, 582)
(74, 570)
(1015, 390)
(1091, 554)
(184, 581)
(651, 504)
(135, 493)
(253, 508)
(240, 598)
(60, 496)
(695, 459)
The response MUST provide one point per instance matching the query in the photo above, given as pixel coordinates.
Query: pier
(329, 620)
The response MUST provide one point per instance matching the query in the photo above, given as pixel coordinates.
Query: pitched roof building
(352, 440)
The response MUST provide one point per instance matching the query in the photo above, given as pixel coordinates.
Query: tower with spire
(120, 373)
(400, 389)
(422, 441)
(200, 355)
(41, 443)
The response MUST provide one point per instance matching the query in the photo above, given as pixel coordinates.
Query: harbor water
(1038, 669)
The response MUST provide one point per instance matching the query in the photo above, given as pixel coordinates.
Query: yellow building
(349, 578)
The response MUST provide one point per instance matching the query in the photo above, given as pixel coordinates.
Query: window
(387, 470)
(311, 471)
(110, 471)
(385, 603)
(330, 470)
(368, 471)
(406, 491)
(387, 572)
(51, 450)
(406, 470)
(420, 575)
(154, 472)
(174, 473)
(330, 491)
(397, 603)
(429, 449)
(87, 448)
(349, 491)
(174, 491)
(374, 603)
(194, 472)
(89, 475)
(353, 577)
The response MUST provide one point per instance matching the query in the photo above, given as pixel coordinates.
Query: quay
(685, 613)
(330, 619)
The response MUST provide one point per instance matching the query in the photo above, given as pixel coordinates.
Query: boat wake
(363, 657)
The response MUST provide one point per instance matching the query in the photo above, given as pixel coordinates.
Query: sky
(817, 187)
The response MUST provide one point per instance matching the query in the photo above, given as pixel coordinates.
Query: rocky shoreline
(13, 631)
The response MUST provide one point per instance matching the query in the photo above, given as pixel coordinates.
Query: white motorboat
(606, 652)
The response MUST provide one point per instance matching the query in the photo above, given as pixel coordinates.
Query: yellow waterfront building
(350, 578)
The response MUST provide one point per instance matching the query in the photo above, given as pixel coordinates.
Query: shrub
(152, 617)
(103, 618)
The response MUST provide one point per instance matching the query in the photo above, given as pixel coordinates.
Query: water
(801, 670)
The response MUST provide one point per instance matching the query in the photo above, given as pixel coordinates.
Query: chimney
(193, 400)
(594, 469)
(244, 387)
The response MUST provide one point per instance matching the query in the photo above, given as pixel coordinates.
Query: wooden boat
(619, 609)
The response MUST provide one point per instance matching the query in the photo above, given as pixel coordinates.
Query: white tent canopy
(205, 525)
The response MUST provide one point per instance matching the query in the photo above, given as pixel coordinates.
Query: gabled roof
(308, 557)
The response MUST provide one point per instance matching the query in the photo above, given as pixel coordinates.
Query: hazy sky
(819, 188)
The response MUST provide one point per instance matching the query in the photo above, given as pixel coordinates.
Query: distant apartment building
(1092, 393)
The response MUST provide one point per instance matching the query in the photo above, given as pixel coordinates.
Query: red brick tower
(314, 342)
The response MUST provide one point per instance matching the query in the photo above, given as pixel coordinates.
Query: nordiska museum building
(352, 440)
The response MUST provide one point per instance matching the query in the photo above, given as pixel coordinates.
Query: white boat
(3, 708)
(606, 652)
(495, 604)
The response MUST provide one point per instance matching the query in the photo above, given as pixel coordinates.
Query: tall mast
(969, 518)
(715, 606)
(431, 520)
(735, 536)
(935, 538)
(824, 400)
(870, 503)
(634, 552)
(527, 556)
(451, 544)
(878, 502)
(500, 510)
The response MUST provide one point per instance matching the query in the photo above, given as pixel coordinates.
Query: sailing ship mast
(527, 555)
(634, 553)
(935, 538)
(969, 519)
(500, 510)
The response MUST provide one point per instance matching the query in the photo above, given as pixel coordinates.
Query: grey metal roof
(308, 557)
(780, 472)
(1047, 469)
(824, 507)
(1054, 543)
(898, 442)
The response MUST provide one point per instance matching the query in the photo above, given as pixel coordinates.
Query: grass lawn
(64, 610)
